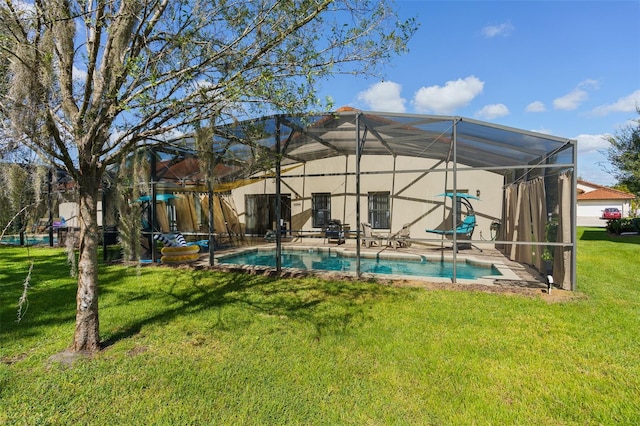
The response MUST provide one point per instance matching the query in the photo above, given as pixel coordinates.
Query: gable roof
(602, 193)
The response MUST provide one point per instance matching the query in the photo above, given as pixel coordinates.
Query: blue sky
(567, 68)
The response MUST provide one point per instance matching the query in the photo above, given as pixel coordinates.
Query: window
(379, 210)
(260, 212)
(321, 206)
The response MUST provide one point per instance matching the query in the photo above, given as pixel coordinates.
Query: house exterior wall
(585, 186)
(589, 209)
(70, 211)
(414, 195)
(589, 212)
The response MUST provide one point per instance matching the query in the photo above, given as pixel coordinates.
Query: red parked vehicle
(611, 213)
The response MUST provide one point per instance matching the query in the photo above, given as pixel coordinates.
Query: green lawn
(196, 347)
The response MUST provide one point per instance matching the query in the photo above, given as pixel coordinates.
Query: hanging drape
(522, 230)
(225, 218)
(161, 216)
(508, 217)
(230, 215)
(218, 218)
(562, 255)
(524, 220)
(538, 202)
(185, 213)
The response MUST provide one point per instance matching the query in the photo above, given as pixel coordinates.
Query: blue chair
(464, 229)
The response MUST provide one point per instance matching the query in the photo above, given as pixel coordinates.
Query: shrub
(618, 226)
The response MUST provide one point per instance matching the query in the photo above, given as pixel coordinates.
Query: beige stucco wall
(414, 198)
(70, 211)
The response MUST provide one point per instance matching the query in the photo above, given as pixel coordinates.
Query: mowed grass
(198, 347)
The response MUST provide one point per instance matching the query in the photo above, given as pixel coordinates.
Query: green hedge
(618, 226)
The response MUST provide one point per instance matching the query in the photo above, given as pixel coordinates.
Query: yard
(195, 347)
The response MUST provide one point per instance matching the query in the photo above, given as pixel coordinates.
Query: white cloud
(588, 144)
(592, 161)
(504, 30)
(576, 97)
(536, 106)
(383, 96)
(627, 103)
(571, 100)
(445, 100)
(490, 112)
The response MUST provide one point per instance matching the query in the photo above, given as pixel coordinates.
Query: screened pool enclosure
(385, 182)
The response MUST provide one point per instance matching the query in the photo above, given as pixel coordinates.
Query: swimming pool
(30, 240)
(343, 261)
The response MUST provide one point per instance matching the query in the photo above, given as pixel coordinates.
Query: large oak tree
(88, 81)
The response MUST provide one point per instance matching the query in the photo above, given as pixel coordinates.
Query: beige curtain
(185, 213)
(230, 215)
(562, 255)
(538, 218)
(507, 227)
(219, 222)
(522, 253)
(524, 220)
(193, 216)
(161, 216)
(204, 205)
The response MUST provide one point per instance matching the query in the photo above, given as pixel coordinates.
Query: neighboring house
(593, 199)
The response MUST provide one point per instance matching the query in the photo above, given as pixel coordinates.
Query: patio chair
(369, 238)
(464, 229)
(334, 231)
(401, 238)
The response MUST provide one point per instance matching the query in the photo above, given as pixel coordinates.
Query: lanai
(536, 171)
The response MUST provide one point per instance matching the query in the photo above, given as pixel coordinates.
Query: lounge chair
(401, 238)
(464, 229)
(369, 238)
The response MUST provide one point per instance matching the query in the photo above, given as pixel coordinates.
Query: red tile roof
(605, 194)
(602, 193)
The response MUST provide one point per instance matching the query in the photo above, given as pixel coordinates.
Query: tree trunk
(87, 334)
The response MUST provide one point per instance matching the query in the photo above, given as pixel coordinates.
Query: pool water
(335, 261)
(32, 240)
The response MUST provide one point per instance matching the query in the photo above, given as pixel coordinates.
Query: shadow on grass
(601, 234)
(329, 307)
(163, 294)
